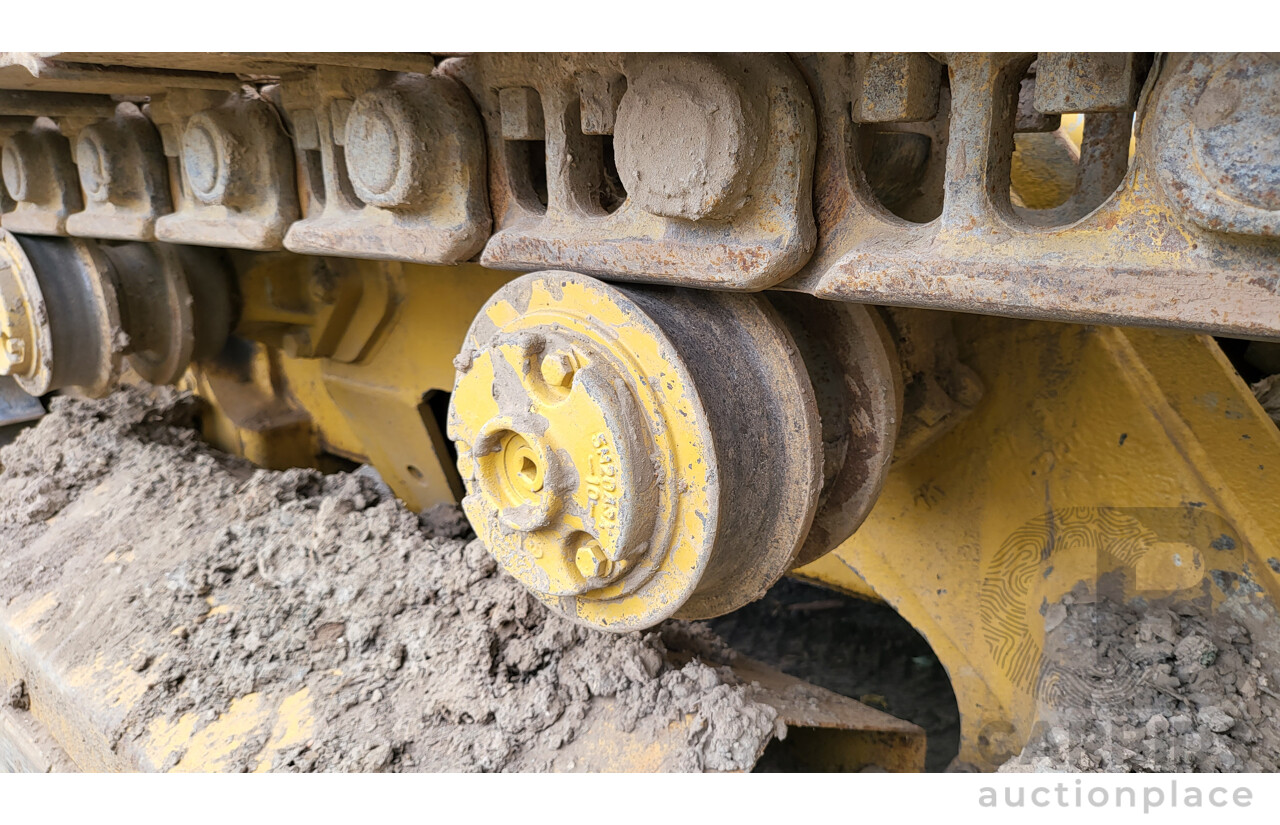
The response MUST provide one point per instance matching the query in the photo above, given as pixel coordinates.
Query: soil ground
(218, 581)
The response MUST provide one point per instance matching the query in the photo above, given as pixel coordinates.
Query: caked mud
(1161, 686)
(411, 649)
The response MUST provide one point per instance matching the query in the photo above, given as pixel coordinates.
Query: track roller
(75, 310)
(632, 454)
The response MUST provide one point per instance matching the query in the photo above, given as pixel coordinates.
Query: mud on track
(207, 588)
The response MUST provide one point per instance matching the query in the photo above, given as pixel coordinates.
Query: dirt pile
(1267, 391)
(416, 651)
(1156, 687)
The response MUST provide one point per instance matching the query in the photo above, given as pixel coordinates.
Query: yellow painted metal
(1044, 166)
(385, 396)
(1095, 450)
(574, 491)
(348, 356)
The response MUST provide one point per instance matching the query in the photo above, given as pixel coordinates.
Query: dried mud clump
(1157, 687)
(415, 651)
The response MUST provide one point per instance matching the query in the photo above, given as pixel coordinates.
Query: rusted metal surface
(1069, 82)
(178, 306)
(390, 157)
(939, 389)
(852, 361)
(1135, 259)
(1219, 162)
(393, 165)
(123, 176)
(703, 170)
(39, 177)
(236, 170)
(705, 180)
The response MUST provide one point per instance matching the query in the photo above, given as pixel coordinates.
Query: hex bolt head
(591, 561)
(15, 358)
(558, 369)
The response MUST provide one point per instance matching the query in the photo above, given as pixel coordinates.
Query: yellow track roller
(635, 453)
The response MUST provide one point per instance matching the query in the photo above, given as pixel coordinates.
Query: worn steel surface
(16, 405)
(1094, 451)
(405, 179)
(39, 177)
(706, 170)
(903, 179)
(123, 176)
(61, 326)
(236, 170)
(852, 361)
(1142, 256)
(75, 310)
(394, 165)
(685, 169)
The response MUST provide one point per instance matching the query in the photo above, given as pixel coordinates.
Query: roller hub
(61, 322)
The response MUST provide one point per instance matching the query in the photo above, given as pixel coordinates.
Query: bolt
(387, 159)
(296, 343)
(372, 150)
(463, 361)
(15, 351)
(558, 369)
(591, 561)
